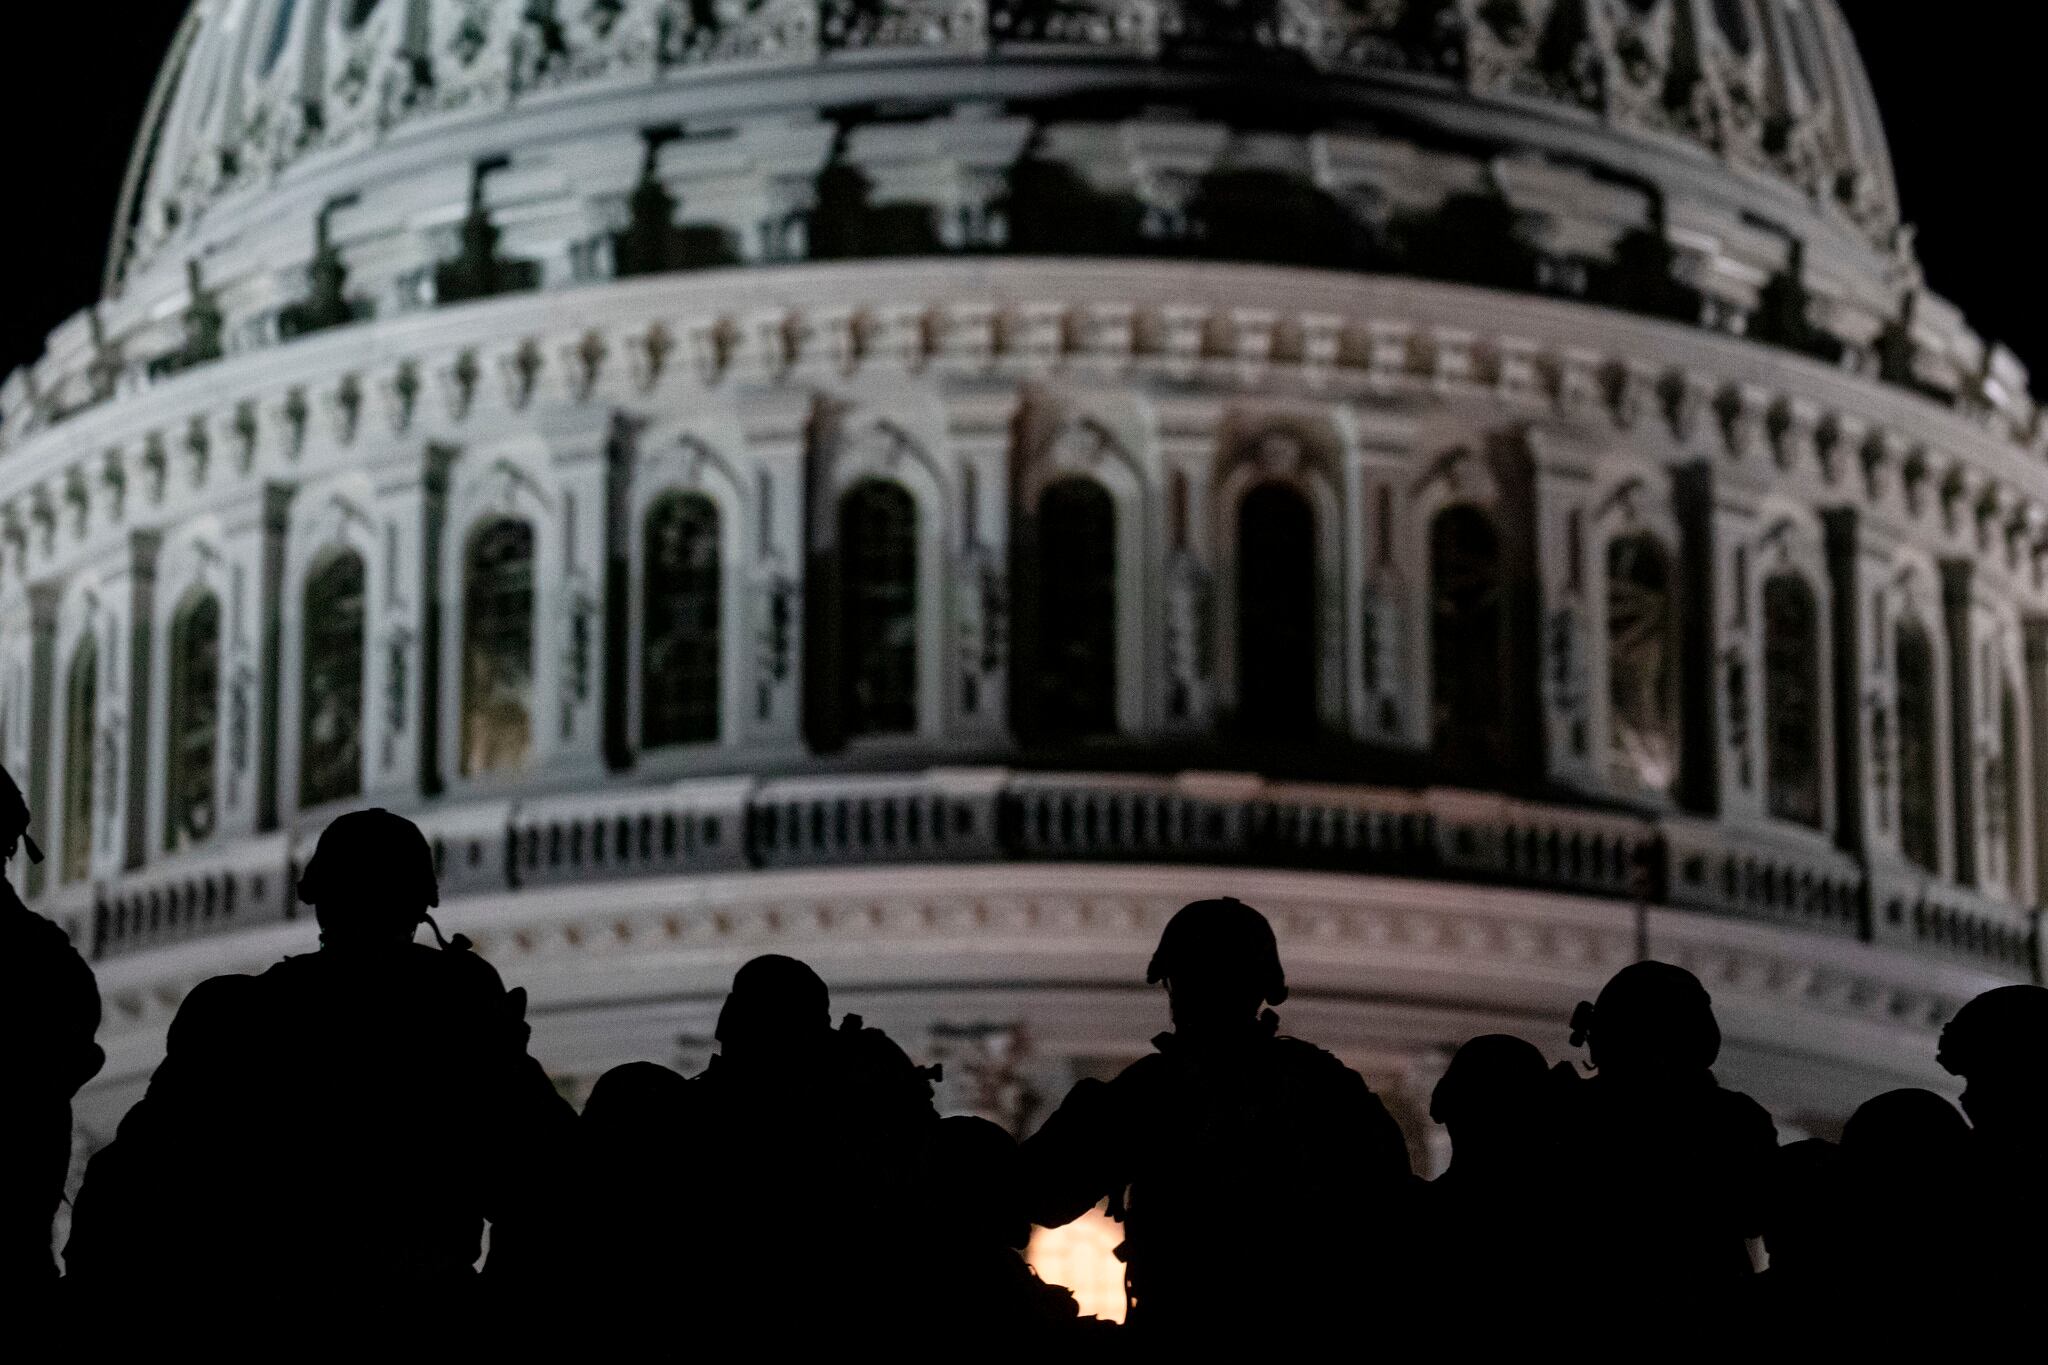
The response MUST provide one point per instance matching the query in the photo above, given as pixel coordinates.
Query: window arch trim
(680, 463)
(1243, 478)
(881, 450)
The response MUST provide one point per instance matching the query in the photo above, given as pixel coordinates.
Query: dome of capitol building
(930, 486)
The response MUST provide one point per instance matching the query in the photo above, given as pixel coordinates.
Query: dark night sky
(1961, 100)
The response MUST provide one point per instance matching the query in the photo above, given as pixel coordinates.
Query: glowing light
(1082, 1257)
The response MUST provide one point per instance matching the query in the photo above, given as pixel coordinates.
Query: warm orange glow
(1082, 1256)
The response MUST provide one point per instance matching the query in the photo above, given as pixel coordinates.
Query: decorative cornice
(1438, 955)
(941, 323)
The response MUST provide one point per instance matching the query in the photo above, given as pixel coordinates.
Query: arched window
(331, 701)
(1919, 783)
(194, 730)
(1074, 682)
(1792, 701)
(680, 645)
(878, 583)
(497, 647)
(81, 726)
(1642, 662)
(1468, 642)
(1277, 655)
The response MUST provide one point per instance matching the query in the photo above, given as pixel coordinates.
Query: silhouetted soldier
(1998, 1044)
(1804, 1232)
(800, 1139)
(52, 1010)
(1900, 1155)
(1486, 1237)
(968, 1276)
(341, 1126)
(1253, 1172)
(637, 1212)
(1666, 1170)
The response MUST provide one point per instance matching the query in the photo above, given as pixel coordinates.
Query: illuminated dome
(930, 486)
(1747, 98)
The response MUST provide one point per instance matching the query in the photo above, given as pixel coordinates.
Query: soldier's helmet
(371, 876)
(1905, 1133)
(776, 1003)
(638, 1102)
(1217, 943)
(975, 1183)
(1653, 1017)
(2001, 1037)
(1494, 1079)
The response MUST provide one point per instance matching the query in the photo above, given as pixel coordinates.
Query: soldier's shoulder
(25, 932)
(1151, 1069)
(218, 1003)
(465, 963)
(1307, 1060)
(230, 991)
(1737, 1113)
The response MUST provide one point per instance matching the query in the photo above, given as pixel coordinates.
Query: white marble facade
(1693, 541)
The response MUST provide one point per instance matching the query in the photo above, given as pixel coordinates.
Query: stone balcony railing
(727, 825)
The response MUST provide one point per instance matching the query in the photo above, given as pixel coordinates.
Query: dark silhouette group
(359, 1138)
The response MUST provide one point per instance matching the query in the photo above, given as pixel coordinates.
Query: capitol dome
(929, 486)
(1738, 100)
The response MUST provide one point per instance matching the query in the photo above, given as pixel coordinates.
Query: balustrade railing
(731, 824)
(1794, 882)
(244, 885)
(1920, 913)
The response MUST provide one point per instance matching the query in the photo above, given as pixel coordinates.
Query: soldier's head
(1652, 1019)
(1998, 1044)
(778, 1008)
(1492, 1093)
(370, 881)
(1220, 962)
(14, 819)
(1905, 1135)
(973, 1184)
(637, 1104)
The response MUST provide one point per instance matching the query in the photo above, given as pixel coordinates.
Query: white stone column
(1572, 618)
(978, 430)
(252, 530)
(770, 633)
(569, 668)
(1379, 450)
(395, 699)
(135, 586)
(1195, 633)
(1738, 656)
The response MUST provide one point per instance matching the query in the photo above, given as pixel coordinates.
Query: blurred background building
(929, 486)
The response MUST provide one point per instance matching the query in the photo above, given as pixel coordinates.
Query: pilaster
(772, 631)
(140, 591)
(1737, 635)
(1571, 618)
(1380, 449)
(1846, 574)
(1700, 718)
(43, 602)
(1957, 602)
(978, 429)
(2035, 644)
